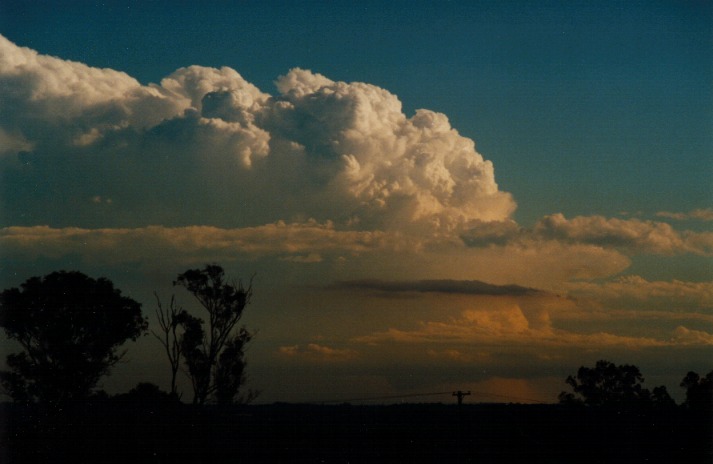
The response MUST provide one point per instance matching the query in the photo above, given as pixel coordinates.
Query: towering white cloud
(205, 146)
(55, 102)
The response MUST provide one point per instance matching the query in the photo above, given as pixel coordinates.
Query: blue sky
(561, 146)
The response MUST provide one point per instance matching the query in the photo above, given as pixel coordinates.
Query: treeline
(609, 386)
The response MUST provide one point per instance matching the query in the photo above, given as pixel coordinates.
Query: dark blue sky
(584, 107)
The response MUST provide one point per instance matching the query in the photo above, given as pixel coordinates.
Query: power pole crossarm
(460, 394)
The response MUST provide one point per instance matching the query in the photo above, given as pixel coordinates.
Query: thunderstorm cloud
(204, 146)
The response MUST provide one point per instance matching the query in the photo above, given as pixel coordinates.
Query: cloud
(207, 147)
(460, 356)
(466, 287)
(297, 242)
(206, 153)
(363, 257)
(324, 178)
(503, 330)
(308, 258)
(490, 233)
(685, 336)
(50, 101)
(475, 325)
(701, 214)
(12, 142)
(480, 324)
(314, 352)
(636, 292)
(633, 236)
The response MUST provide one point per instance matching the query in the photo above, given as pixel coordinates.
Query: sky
(431, 196)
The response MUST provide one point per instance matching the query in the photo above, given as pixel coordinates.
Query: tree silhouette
(214, 354)
(661, 399)
(610, 385)
(699, 391)
(70, 328)
(145, 396)
(170, 320)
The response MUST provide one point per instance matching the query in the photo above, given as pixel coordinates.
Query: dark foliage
(612, 386)
(660, 398)
(70, 328)
(699, 392)
(213, 352)
(144, 396)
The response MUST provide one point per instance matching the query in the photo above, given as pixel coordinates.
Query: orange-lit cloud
(635, 291)
(314, 352)
(503, 330)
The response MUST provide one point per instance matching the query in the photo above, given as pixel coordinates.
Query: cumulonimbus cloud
(206, 161)
(207, 147)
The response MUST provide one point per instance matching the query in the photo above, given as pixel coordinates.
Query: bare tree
(170, 321)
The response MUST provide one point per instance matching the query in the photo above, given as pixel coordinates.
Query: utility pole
(459, 450)
(460, 395)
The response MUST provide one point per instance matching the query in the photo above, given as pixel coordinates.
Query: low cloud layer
(201, 243)
(370, 254)
(635, 291)
(701, 214)
(317, 353)
(469, 287)
(632, 236)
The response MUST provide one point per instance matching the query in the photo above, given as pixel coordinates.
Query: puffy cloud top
(206, 146)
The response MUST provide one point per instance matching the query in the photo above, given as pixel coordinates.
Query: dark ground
(127, 433)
